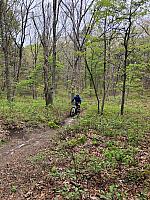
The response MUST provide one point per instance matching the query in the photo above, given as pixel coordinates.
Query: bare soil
(18, 176)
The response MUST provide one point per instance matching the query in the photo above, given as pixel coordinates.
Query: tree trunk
(5, 47)
(7, 73)
(124, 81)
(48, 90)
(104, 73)
(54, 44)
(85, 78)
(19, 65)
(126, 41)
(34, 92)
(96, 94)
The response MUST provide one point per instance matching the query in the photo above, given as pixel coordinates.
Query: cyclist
(77, 100)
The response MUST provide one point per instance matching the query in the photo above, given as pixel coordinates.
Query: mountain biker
(77, 100)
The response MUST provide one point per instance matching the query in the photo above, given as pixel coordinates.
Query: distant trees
(122, 16)
(129, 11)
(46, 27)
(78, 45)
(80, 24)
(14, 19)
(22, 10)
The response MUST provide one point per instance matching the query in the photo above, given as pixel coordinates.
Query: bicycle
(75, 110)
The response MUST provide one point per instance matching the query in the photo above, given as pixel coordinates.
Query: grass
(99, 157)
(34, 111)
(37, 158)
(102, 154)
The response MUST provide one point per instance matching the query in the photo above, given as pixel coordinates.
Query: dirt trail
(20, 147)
(16, 171)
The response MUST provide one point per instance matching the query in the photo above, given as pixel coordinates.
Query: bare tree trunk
(94, 86)
(47, 82)
(44, 36)
(54, 43)
(104, 73)
(56, 7)
(34, 89)
(34, 92)
(126, 41)
(7, 73)
(91, 83)
(20, 64)
(113, 90)
(124, 81)
(5, 37)
(34, 52)
(85, 78)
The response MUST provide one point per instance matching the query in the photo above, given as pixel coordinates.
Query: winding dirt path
(14, 166)
(28, 144)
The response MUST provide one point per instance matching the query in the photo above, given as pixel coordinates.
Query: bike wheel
(78, 110)
(72, 112)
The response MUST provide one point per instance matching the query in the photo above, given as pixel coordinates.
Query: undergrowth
(97, 158)
(34, 111)
(104, 157)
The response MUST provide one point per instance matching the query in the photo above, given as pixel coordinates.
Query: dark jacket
(77, 99)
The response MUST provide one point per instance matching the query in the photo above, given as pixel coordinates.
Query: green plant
(135, 176)
(52, 124)
(54, 172)
(124, 156)
(2, 141)
(13, 189)
(111, 143)
(25, 109)
(70, 173)
(68, 191)
(112, 194)
(95, 141)
(143, 196)
(77, 141)
(94, 164)
(37, 158)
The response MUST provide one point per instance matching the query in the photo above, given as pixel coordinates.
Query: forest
(52, 148)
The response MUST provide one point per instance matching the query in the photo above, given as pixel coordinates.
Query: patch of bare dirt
(19, 177)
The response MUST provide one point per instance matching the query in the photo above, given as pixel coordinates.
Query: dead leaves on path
(79, 171)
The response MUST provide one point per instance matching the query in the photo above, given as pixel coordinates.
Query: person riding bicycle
(76, 99)
(75, 110)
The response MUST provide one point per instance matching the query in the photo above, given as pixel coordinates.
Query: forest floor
(92, 157)
(23, 143)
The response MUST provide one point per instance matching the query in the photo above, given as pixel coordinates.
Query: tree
(48, 29)
(21, 10)
(129, 13)
(56, 7)
(94, 86)
(80, 27)
(44, 33)
(6, 42)
(35, 51)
